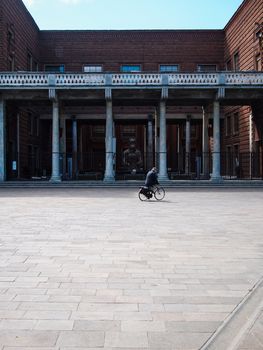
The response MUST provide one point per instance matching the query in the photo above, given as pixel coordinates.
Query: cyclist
(150, 181)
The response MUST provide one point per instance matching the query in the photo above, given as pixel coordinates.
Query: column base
(216, 179)
(55, 179)
(109, 179)
(162, 178)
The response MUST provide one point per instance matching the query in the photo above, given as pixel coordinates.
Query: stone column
(150, 142)
(109, 173)
(216, 174)
(2, 141)
(55, 143)
(187, 144)
(163, 149)
(74, 148)
(205, 145)
(18, 144)
(156, 138)
(63, 147)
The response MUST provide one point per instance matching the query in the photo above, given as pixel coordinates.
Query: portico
(67, 98)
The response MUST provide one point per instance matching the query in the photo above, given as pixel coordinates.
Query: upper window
(92, 68)
(10, 35)
(236, 61)
(35, 66)
(236, 123)
(206, 68)
(60, 68)
(258, 63)
(169, 68)
(29, 62)
(229, 65)
(130, 68)
(228, 125)
(11, 63)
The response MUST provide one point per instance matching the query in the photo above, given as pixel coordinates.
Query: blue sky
(132, 14)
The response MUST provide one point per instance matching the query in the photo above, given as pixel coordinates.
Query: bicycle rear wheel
(159, 193)
(142, 196)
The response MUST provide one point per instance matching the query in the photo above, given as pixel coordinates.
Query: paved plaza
(98, 269)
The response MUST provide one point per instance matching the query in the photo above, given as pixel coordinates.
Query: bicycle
(146, 193)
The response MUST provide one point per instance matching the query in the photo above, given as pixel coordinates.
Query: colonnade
(109, 175)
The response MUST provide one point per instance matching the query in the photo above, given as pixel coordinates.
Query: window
(130, 68)
(31, 124)
(206, 68)
(229, 65)
(11, 63)
(258, 63)
(29, 62)
(11, 36)
(236, 123)
(228, 125)
(169, 68)
(55, 68)
(92, 69)
(229, 161)
(236, 61)
(35, 66)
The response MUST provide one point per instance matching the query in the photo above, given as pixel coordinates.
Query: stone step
(133, 184)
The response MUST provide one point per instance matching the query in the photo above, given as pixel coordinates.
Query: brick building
(110, 104)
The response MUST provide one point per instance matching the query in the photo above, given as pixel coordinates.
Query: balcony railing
(77, 80)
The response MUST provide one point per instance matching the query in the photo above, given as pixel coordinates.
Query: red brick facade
(19, 37)
(111, 49)
(23, 47)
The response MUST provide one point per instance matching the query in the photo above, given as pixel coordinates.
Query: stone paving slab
(98, 269)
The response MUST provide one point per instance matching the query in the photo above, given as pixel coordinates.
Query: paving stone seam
(235, 326)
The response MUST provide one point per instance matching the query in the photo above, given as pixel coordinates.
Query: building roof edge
(235, 14)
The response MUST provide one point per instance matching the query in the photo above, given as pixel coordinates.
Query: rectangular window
(35, 66)
(31, 124)
(92, 69)
(10, 36)
(258, 63)
(229, 161)
(169, 68)
(130, 68)
(229, 65)
(228, 125)
(236, 123)
(236, 62)
(29, 62)
(11, 63)
(206, 68)
(60, 68)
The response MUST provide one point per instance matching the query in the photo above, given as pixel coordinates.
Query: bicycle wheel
(159, 193)
(142, 196)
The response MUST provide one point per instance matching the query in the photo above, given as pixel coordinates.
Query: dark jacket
(151, 179)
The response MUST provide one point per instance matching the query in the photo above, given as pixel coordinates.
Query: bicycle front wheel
(159, 193)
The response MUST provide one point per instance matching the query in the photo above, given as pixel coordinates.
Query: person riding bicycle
(151, 180)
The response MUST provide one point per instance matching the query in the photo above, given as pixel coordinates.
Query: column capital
(164, 93)
(221, 93)
(52, 94)
(108, 94)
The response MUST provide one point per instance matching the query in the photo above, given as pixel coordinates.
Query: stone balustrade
(27, 80)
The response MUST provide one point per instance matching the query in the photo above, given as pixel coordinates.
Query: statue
(132, 158)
